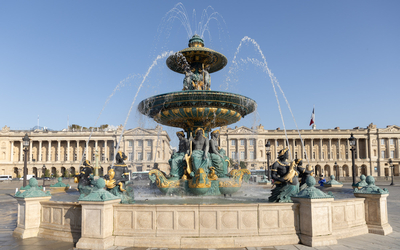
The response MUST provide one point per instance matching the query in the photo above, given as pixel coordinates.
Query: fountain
(197, 110)
(97, 220)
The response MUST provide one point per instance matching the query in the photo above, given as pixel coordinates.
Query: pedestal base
(89, 243)
(317, 241)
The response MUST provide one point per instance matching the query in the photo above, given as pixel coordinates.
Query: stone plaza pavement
(8, 218)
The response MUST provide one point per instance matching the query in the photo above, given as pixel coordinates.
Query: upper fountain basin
(193, 108)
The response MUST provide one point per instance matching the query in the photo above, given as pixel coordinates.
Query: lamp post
(392, 167)
(25, 142)
(44, 173)
(268, 150)
(352, 142)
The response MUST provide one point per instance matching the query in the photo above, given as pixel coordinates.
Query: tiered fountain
(197, 110)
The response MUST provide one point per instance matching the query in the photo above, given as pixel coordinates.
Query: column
(77, 151)
(275, 149)
(320, 148)
(40, 151)
(105, 151)
(366, 148)
(87, 151)
(330, 149)
(294, 149)
(312, 149)
(20, 150)
(49, 151)
(12, 151)
(348, 150)
(30, 150)
(340, 151)
(68, 149)
(58, 150)
(358, 148)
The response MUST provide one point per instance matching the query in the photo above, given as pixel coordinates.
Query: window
(323, 155)
(277, 143)
(242, 142)
(392, 154)
(140, 143)
(233, 142)
(103, 157)
(295, 142)
(139, 168)
(313, 155)
(242, 155)
(75, 157)
(382, 154)
(139, 156)
(233, 155)
(130, 157)
(252, 142)
(382, 141)
(295, 155)
(149, 143)
(149, 156)
(130, 143)
(391, 142)
(251, 155)
(93, 157)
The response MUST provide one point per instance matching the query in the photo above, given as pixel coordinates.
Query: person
(285, 177)
(177, 161)
(200, 155)
(218, 156)
(321, 181)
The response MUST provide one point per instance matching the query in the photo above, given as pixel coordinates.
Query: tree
(243, 165)
(56, 175)
(47, 173)
(66, 174)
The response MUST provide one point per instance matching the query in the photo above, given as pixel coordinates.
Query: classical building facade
(327, 150)
(61, 151)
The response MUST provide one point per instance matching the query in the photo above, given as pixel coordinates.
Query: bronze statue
(285, 177)
(308, 171)
(85, 178)
(200, 155)
(177, 161)
(219, 159)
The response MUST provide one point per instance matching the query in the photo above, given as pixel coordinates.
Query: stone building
(327, 150)
(61, 151)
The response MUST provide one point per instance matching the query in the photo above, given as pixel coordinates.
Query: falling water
(163, 55)
(121, 84)
(274, 83)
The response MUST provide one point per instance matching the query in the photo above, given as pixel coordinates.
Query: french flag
(312, 118)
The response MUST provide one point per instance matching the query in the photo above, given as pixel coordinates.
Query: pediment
(241, 130)
(393, 128)
(138, 131)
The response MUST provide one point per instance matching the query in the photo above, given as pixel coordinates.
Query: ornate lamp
(352, 142)
(25, 143)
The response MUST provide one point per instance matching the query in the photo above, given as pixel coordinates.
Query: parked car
(28, 176)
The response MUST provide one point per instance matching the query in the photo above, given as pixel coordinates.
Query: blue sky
(62, 59)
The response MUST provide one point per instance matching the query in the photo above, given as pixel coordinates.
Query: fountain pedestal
(316, 221)
(28, 222)
(97, 224)
(376, 214)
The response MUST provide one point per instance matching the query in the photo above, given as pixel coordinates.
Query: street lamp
(352, 142)
(25, 142)
(392, 167)
(44, 173)
(268, 149)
